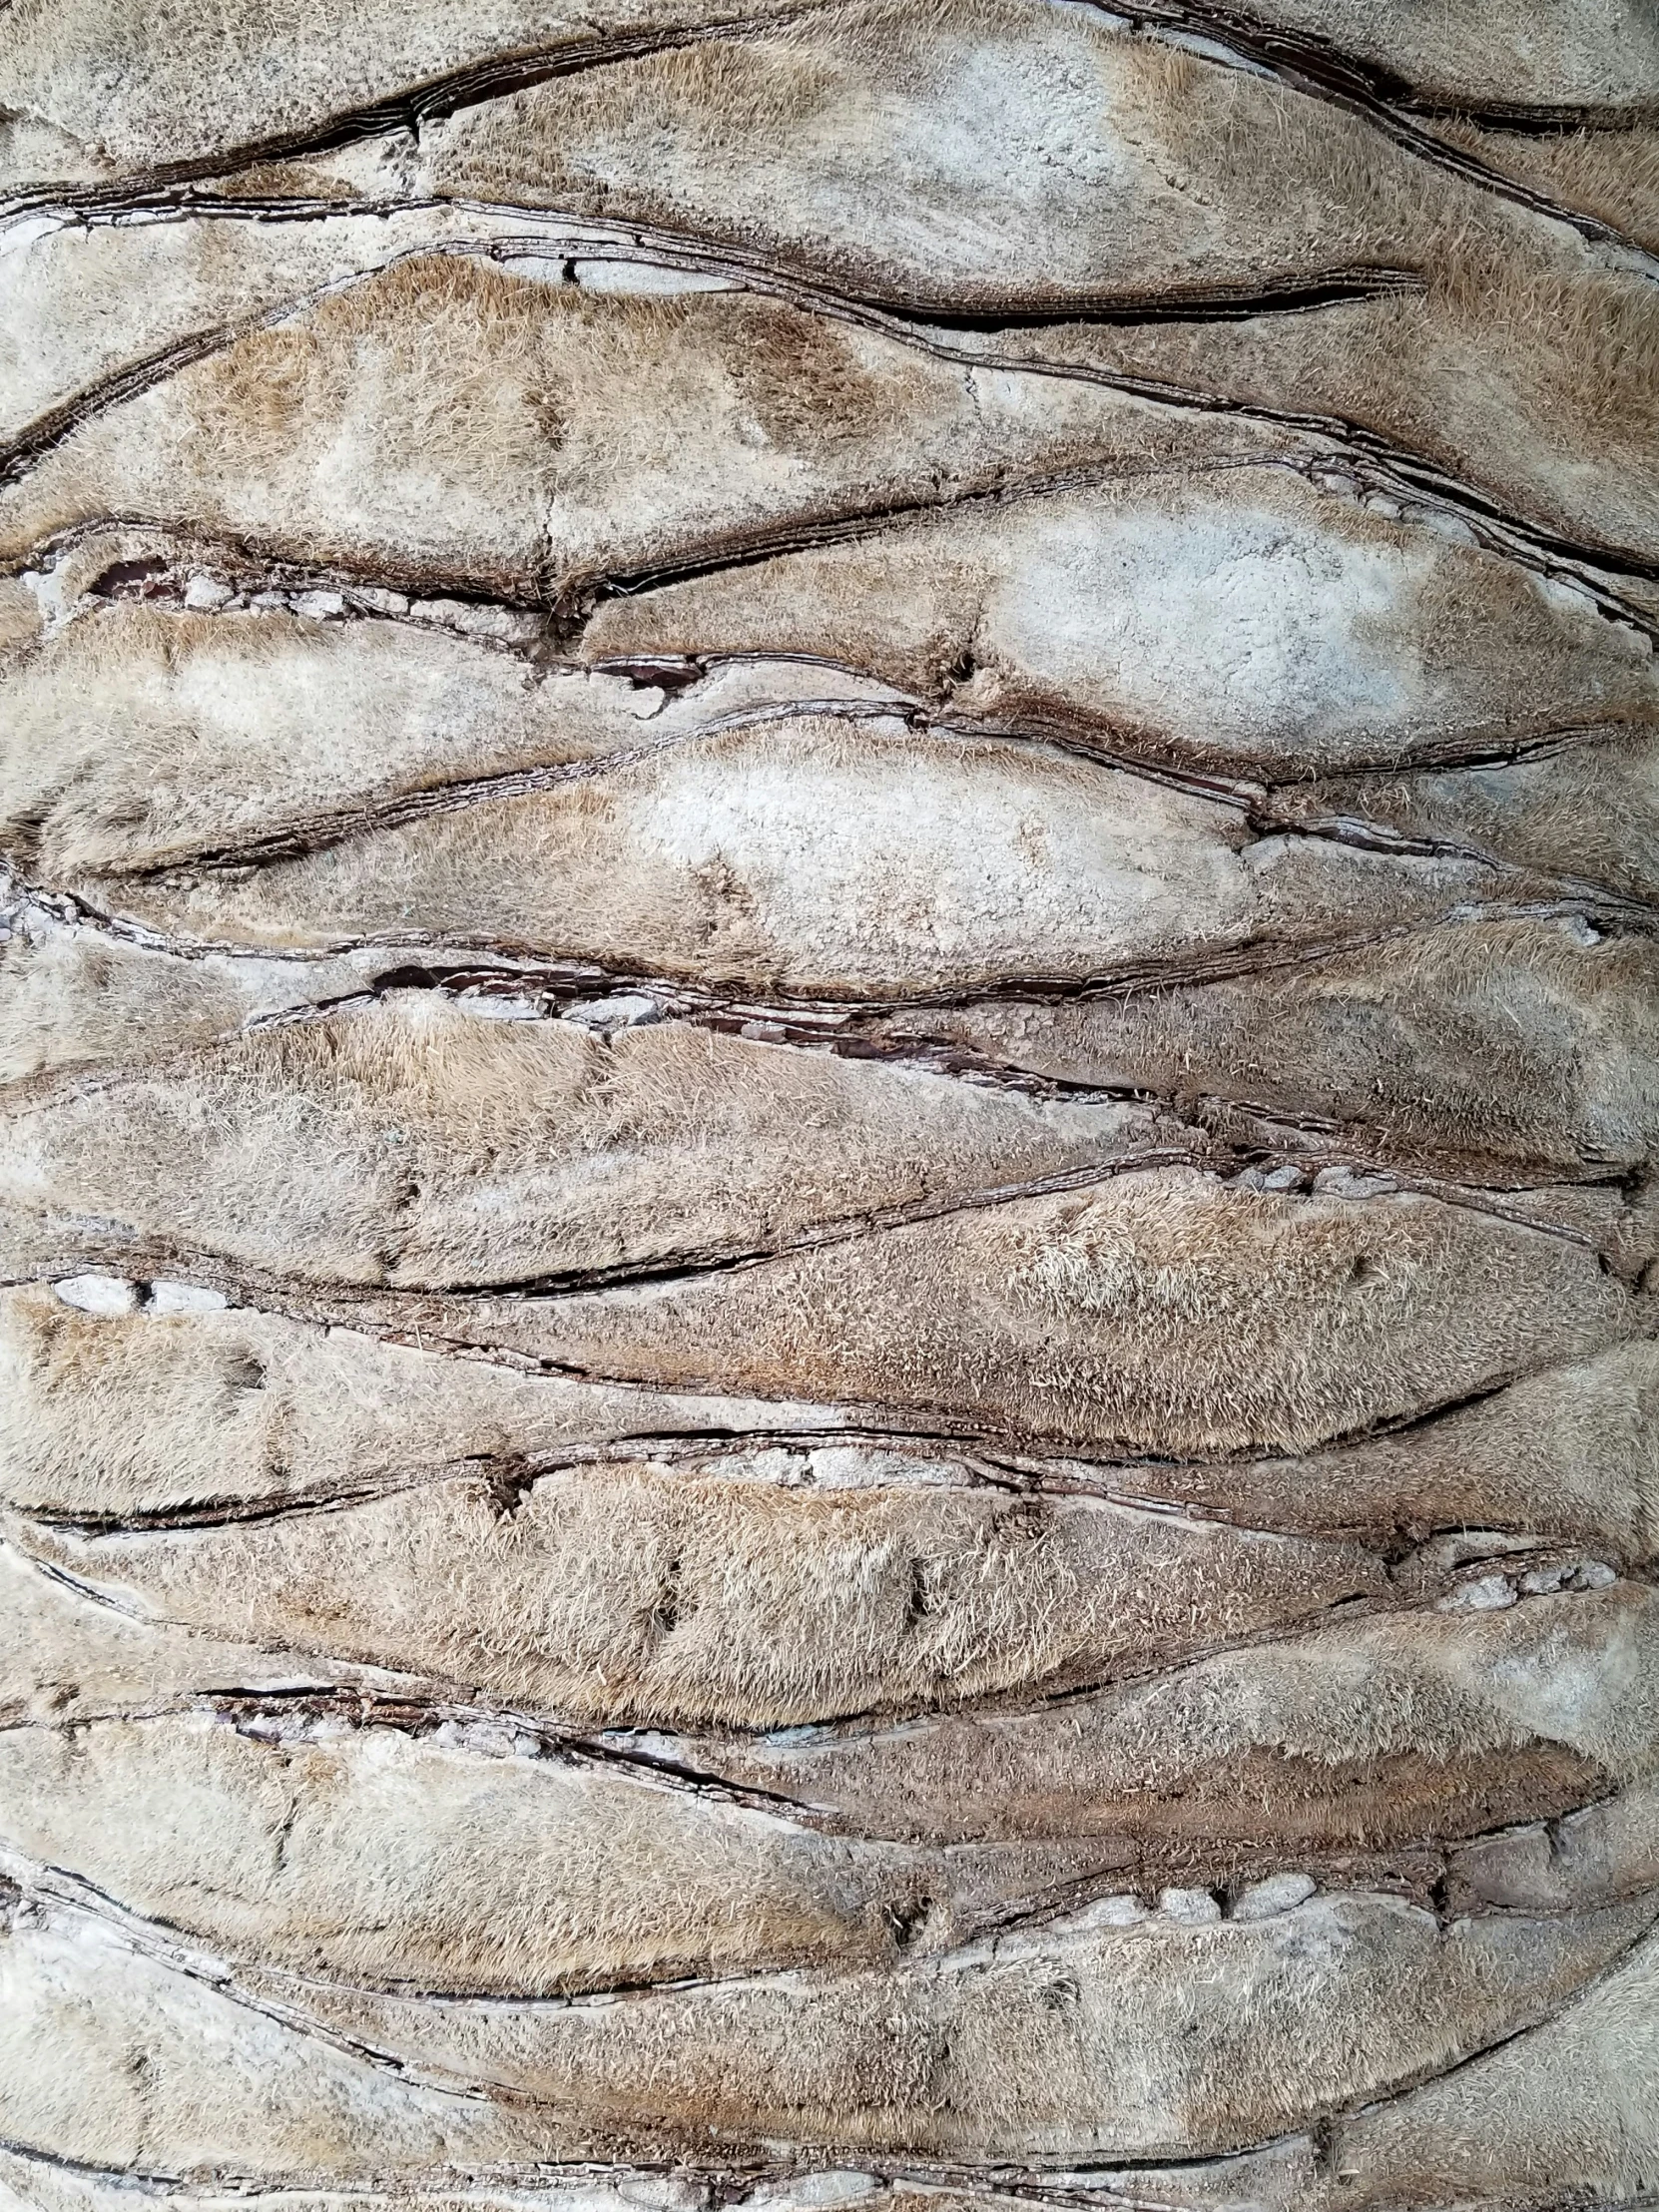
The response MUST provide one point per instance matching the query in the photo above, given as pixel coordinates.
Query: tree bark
(830, 1045)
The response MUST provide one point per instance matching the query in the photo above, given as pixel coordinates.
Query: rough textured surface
(828, 1076)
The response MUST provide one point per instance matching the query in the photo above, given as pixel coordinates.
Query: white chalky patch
(98, 1294)
(1192, 1907)
(204, 595)
(627, 1010)
(1285, 1178)
(1349, 1183)
(321, 606)
(1112, 1911)
(186, 1298)
(835, 2188)
(1490, 1594)
(1280, 1892)
(1238, 610)
(646, 278)
(501, 625)
(493, 1006)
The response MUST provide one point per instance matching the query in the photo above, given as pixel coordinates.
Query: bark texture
(829, 1058)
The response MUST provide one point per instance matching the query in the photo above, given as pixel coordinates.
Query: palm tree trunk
(830, 1045)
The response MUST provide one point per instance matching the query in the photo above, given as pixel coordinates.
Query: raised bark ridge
(830, 1047)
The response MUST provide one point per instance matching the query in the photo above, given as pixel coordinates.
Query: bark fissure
(71, 1895)
(1382, 465)
(469, 85)
(1309, 66)
(565, 1738)
(50, 429)
(878, 1422)
(1322, 71)
(431, 960)
(145, 1258)
(1253, 802)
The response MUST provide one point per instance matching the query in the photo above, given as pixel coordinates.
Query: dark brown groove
(1227, 1132)
(1231, 780)
(632, 1752)
(699, 1266)
(1310, 65)
(302, 837)
(1227, 1135)
(1398, 468)
(1243, 1130)
(1303, 295)
(46, 432)
(1024, 1472)
(1392, 468)
(458, 962)
(1001, 1461)
(192, 1961)
(303, 840)
(632, 1740)
(1526, 543)
(436, 1323)
(306, 835)
(572, 599)
(418, 1710)
(1332, 71)
(1364, 2106)
(177, 1953)
(728, 2186)
(1223, 303)
(429, 101)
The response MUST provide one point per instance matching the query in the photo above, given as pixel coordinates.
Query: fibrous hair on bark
(829, 1057)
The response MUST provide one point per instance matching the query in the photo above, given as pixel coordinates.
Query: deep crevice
(450, 961)
(1305, 64)
(1379, 96)
(1396, 470)
(434, 99)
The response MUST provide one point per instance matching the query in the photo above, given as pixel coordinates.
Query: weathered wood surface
(830, 1051)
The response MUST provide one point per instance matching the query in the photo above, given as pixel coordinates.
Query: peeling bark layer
(830, 1057)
